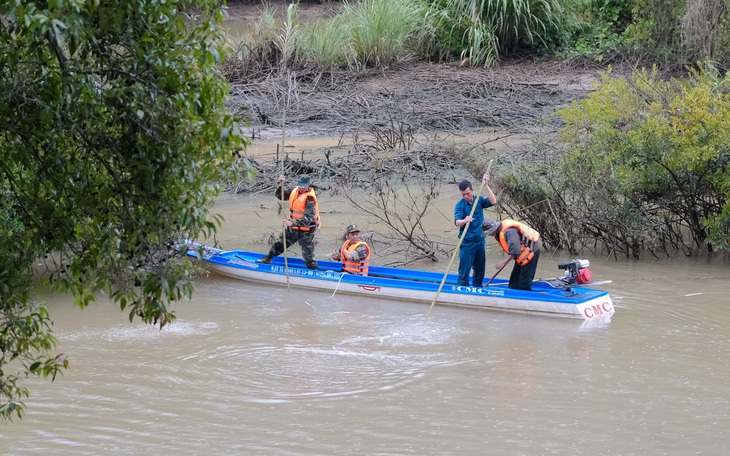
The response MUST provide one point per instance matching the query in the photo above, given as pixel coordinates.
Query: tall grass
(383, 31)
(481, 30)
(368, 33)
(324, 43)
(703, 25)
(269, 45)
(378, 33)
(288, 34)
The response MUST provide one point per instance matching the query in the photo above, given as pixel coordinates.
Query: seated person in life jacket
(354, 254)
(521, 244)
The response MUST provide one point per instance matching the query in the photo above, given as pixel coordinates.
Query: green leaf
(96, 134)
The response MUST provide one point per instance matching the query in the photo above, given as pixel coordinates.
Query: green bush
(667, 145)
(480, 31)
(641, 165)
(593, 30)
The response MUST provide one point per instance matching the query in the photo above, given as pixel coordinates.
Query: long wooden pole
(283, 153)
(495, 274)
(458, 245)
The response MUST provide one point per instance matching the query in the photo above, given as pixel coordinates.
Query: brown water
(256, 370)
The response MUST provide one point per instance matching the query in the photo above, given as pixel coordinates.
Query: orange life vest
(359, 267)
(528, 240)
(298, 204)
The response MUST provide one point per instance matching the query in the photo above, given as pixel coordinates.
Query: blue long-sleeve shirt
(463, 209)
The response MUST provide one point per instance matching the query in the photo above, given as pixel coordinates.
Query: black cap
(304, 181)
(490, 226)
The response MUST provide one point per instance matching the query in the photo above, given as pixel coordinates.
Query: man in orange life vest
(354, 254)
(302, 223)
(522, 244)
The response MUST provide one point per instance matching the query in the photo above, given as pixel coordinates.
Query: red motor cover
(584, 276)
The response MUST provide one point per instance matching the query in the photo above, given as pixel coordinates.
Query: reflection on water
(250, 369)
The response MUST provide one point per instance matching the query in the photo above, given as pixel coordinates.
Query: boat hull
(410, 285)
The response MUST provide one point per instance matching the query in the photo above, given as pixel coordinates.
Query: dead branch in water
(353, 166)
(400, 208)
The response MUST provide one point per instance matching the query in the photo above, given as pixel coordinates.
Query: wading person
(354, 254)
(302, 223)
(471, 252)
(522, 244)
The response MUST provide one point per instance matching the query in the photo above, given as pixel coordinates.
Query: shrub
(643, 164)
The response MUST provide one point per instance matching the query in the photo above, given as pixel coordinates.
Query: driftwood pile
(359, 165)
(389, 113)
(418, 98)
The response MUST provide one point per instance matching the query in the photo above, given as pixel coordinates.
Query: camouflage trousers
(306, 243)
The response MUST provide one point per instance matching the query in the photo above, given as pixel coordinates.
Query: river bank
(516, 96)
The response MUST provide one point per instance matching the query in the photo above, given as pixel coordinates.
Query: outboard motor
(576, 271)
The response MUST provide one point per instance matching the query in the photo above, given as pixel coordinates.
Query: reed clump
(369, 33)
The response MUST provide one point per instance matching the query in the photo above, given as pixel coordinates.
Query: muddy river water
(250, 369)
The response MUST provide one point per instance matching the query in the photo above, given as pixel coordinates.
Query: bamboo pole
(283, 186)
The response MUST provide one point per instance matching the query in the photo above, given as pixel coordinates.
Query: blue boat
(561, 297)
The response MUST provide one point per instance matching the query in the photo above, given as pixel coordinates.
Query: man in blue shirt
(471, 253)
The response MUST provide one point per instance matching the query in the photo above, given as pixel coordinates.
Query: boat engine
(576, 272)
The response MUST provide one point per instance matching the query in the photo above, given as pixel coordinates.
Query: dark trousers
(522, 276)
(471, 256)
(305, 240)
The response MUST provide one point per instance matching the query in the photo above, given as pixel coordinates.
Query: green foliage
(381, 31)
(680, 31)
(112, 129)
(655, 29)
(642, 165)
(593, 29)
(321, 44)
(480, 30)
(364, 34)
(667, 146)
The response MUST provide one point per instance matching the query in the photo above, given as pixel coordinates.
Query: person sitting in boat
(471, 251)
(522, 244)
(303, 221)
(354, 254)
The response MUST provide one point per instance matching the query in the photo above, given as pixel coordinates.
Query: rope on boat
(338, 285)
(333, 293)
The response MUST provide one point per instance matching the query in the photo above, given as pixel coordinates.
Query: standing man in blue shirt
(471, 253)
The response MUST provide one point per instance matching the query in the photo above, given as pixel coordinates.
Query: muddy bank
(443, 116)
(413, 97)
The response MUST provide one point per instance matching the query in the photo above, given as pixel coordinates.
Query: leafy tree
(680, 31)
(673, 147)
(112, 128)
(644, 164)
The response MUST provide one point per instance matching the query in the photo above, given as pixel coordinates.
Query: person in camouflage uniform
(302, 224)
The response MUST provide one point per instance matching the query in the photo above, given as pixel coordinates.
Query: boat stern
(597, 308)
